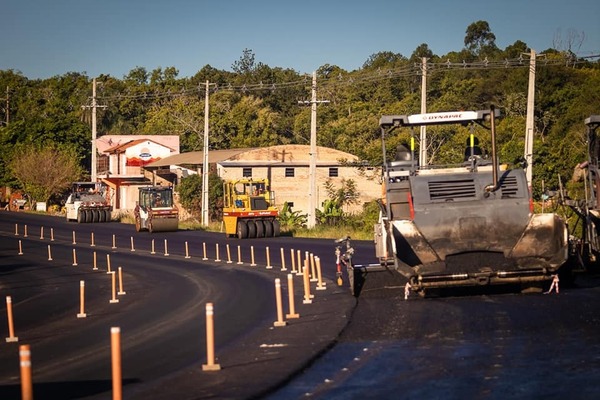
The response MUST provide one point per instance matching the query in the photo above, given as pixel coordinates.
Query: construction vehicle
(87, 202)
(155, 211)
(465, 225)
(248, 209)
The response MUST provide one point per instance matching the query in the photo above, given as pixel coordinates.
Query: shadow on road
(62, 390)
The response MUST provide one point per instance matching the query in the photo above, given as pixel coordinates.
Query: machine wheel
(242, 229)
(251, 229)
(138, 224)
(95, 216)
(276, 228)
(80, 216)
(107, 216)
(260, 228)
(268, 228)
(101, 216)
(87, 216)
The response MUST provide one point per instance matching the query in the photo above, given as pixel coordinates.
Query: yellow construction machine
(248, 209)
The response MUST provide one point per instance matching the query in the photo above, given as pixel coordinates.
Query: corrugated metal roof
(196, 158)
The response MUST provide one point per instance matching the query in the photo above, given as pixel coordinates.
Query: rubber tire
(95, 216)
(242, 229)
(276, 228)
(101, 216)
(107, 216)
(251, 229)
(268, 228)
(80, 217)
(260, 228)
(88, 216)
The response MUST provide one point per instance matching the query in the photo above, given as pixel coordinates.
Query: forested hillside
(259, 105)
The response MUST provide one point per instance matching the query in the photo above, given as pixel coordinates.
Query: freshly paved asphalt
(162, 314)
(499, 346)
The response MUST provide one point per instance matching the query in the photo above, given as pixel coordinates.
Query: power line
(350, 79)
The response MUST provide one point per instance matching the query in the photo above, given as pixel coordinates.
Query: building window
(247, 172)
(289, 172)
(333, 172)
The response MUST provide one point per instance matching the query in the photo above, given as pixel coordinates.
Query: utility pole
(529, 133)
(94, 106)
(205, 165)
(423, 135)
(312, 174)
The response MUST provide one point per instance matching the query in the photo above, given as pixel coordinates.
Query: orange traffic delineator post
(269, 266)
(25, 231)
(16, 229)
(280, 321)
(113, 279)
(11, 327)
(115, 358)
(239, 253)
(41, 233)
(108, 271)
(92, 243)
(228, 254)
(152, 248)
(320, 284)
(291, 302)
(187, 250)
(121, 291)
(283, 268)
(218, 257)
(74, 258)
(49, 253)
(114, 241)
(293, 258)
(210, 340)
(82, 313)
(52, 234)
(132, 246)
(252, 263)
(166, 248)
(299, 272)
(307, 262)
(74, 241)
(313, 271)
(20, 248)
(25, 367)
(95, 267)
(307, 297)
(204, 251)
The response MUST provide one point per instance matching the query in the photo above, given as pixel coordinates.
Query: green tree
(246, 63)
(479, 38)
(190, 195)
(43, 171)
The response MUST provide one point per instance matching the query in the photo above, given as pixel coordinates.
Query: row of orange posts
(309, 269)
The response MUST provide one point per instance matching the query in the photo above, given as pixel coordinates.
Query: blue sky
(44, 38)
